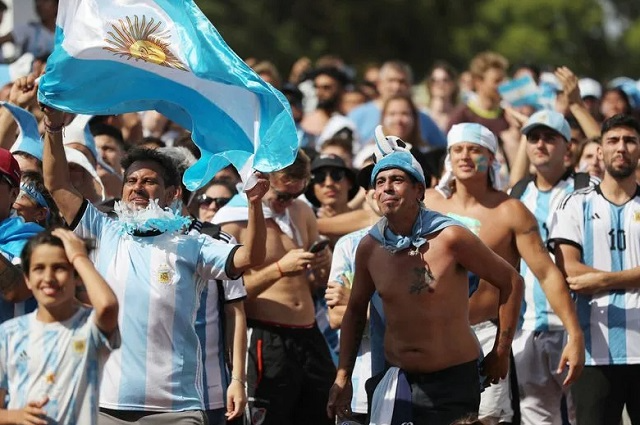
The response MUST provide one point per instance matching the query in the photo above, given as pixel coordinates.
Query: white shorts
(495, 401)
(537, 355)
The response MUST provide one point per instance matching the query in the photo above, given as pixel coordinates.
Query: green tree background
(599, 38)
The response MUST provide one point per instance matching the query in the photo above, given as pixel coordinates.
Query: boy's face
(51, 278)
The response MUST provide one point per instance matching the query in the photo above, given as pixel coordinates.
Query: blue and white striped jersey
(536, 313)
(60, 360)
(608, 237)
(210, 330)
(343, 264)
(158, 281)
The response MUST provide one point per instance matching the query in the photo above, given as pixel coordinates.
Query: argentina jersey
(608, 237)
(343, 264)
(60, 360)
(210, 328)
(536, 313)
(158, 281)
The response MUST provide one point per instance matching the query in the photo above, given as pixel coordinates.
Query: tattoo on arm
(423, 280)
(543, 247)
(505, 339)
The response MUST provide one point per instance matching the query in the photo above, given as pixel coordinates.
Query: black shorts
(289, 374)
(442, 397)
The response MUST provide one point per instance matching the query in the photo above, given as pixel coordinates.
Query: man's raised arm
(55, 168)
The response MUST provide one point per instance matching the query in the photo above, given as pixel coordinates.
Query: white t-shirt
(60, 360)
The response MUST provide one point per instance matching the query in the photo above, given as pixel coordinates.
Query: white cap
(590, 88)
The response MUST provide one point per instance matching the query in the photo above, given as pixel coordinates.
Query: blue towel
(15, 233)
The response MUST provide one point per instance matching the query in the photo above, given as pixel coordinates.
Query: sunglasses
(284, 197)
(205, 200)
(319, 176)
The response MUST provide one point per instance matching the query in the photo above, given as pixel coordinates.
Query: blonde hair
(485, 61)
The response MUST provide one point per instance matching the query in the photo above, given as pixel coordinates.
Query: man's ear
(171, 193)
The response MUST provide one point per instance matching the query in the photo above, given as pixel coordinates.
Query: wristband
(243, 382)
(76, 256)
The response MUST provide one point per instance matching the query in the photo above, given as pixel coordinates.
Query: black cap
(331, 161)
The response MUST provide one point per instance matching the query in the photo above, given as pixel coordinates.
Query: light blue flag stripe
(217, 96)
(520, 92)
(29, 138)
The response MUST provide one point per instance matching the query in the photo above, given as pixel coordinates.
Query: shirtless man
(507, 227)
(417, 260)
(289, 367)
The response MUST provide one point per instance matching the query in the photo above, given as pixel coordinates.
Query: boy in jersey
(51, 360)
(417, 260)
(596, 236)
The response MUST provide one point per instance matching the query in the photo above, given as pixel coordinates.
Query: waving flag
(520, 92)
(121, 56)
(28, 140)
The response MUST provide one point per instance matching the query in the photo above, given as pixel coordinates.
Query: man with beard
(327, 121)
(596, 237)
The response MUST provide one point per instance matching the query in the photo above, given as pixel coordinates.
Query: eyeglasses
(319, 176)
(285, 197)
(204, 200)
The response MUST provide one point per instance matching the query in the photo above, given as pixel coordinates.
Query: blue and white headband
(478, 135)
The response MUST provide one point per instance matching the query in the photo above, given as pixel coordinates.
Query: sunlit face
(612, 104)
(487, 85)
(392, 82)
(469, 160)
(215, 197)
(109, 150)
(29, 209)
(441, 84)
(398, 119)
(395, 192)
(143, 181)
(546, 147)
(620, 152)
(51, 277)
(591, 161)
(282, 192)
(331, 186)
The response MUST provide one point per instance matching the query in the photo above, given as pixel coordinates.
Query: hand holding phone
(318, 246)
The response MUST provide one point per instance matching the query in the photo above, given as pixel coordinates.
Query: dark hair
(334, 73)
(152, 140)
(35, 179)
(620, 120)
(341, 142)
(102, 129)
(3, 6)
(470, 419)
(535, 69)
(29, 157)
(185, 141)
(170, 173)
(299, 170)
(628, 109)
(45, 238)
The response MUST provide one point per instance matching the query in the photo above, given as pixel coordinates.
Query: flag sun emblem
(142, 40)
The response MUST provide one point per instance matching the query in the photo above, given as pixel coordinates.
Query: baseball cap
(589, 88)
(9, 167)
(331, 161)
(550, 119)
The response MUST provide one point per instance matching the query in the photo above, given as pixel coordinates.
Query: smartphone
(318, 246)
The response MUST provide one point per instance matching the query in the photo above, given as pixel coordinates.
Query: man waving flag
(133, 55)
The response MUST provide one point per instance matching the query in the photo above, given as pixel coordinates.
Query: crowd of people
(434, 255)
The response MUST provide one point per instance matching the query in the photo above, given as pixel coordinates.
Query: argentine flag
(519, 92)
(113, 57)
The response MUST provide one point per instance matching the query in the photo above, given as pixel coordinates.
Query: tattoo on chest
(423, 278)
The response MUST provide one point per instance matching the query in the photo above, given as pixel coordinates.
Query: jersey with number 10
(608, 237)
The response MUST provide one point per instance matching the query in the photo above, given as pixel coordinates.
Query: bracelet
(279, 269)
(76, 256)
(243, 382)
(53, 129)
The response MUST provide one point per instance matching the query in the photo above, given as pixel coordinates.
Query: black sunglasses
(319, 176)
(205, 200)
(285, 196)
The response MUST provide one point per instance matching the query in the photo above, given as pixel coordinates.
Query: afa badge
(636, 216)
(164, 275)
(79, 345)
